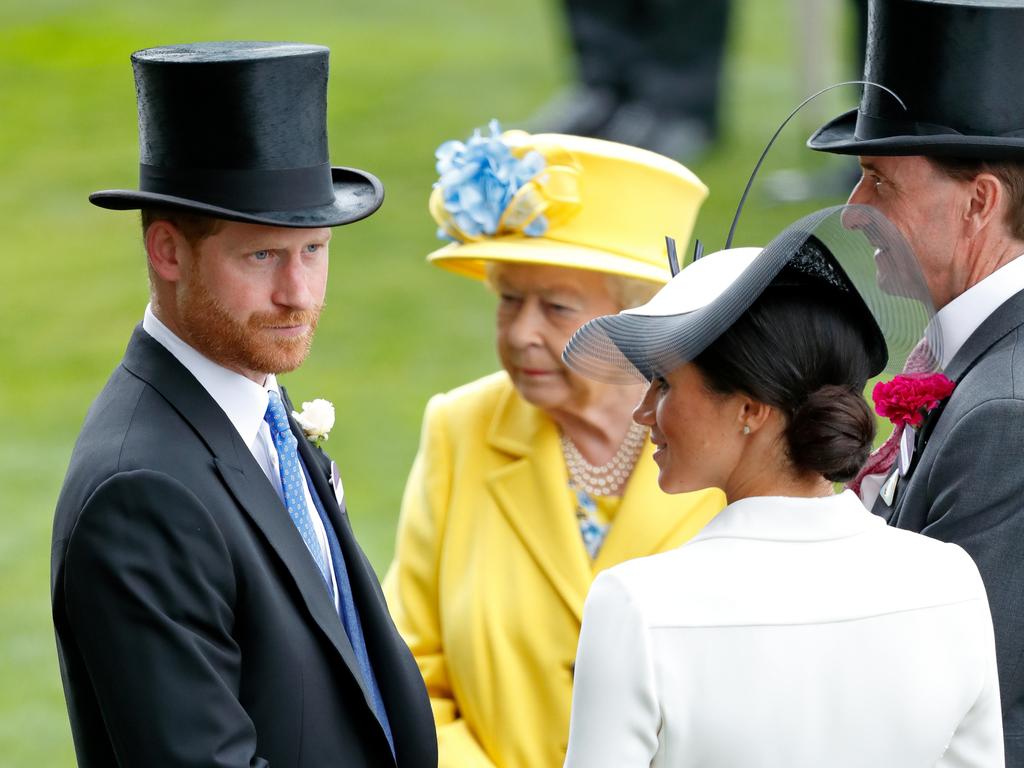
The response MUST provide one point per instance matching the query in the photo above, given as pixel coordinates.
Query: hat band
(869, 127)
(250, 190)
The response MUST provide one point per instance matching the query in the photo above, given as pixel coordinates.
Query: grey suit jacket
(966, 486)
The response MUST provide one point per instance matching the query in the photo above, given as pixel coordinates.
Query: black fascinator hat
(238, 130)
(850, 253)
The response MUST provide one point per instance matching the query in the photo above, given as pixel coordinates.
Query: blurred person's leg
(836, 179)
(603, 47)
(674, 79)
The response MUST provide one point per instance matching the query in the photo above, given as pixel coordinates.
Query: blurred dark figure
(649, 74)
(792, 185)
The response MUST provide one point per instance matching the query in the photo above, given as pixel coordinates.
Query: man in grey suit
(948, 170)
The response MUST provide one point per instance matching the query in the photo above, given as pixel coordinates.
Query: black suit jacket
(193, 628)
(966, 485)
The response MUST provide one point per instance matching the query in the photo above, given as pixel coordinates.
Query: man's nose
(293, 288)
(859, 192)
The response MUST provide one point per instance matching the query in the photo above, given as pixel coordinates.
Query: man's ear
(987, 198)
(167, 250)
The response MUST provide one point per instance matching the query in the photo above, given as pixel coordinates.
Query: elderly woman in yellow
(531, 481)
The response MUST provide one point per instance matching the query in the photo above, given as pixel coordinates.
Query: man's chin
(277, 357)
(286, 358)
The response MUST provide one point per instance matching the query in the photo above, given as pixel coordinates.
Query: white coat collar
(787, 518)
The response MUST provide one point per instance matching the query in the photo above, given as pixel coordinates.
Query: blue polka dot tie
(293, 482)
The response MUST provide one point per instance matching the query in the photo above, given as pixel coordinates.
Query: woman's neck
(599, 428)
(764, 470)
(809, 487)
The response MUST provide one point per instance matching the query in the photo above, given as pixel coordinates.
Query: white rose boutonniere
(316, 419)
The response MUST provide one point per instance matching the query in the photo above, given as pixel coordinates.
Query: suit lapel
(531, 491)
(888, 512)
(1007, 318)
(379, 632)
(270, 516)
(924, 433)
(891, 513)
(234, 463)
(147, 359)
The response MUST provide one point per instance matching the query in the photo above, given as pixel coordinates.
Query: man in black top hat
(947, 167)
(211, 604)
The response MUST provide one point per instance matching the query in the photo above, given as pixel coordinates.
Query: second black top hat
(955, 64)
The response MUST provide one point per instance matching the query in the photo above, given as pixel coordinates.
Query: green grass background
(406, 75)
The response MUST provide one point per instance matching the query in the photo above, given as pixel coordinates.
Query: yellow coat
(490, 572)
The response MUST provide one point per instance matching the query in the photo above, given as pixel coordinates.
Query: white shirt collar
(789, 518)
(243, 401)
(964, 314)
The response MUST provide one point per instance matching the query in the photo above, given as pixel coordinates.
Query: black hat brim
(357, 194)
(838, 137)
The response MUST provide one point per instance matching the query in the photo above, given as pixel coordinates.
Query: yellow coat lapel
(531, 492)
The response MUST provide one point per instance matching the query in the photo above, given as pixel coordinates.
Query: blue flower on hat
(478, 180)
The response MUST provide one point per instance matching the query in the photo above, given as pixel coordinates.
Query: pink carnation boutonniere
(909, 397)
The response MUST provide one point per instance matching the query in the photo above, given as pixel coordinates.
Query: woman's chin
(668, 482)
(544, 392)
(674, 483)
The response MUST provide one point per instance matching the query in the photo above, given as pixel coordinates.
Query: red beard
(243, 346)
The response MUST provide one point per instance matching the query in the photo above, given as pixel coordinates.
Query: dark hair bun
(831, 433)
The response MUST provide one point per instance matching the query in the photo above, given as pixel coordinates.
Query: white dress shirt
(789, 633)
(244, 402)
(964, 314)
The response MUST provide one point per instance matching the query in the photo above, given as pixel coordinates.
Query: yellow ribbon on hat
(554, 193)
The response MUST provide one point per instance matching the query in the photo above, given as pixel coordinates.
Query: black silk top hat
(956, 65)
(238, 130)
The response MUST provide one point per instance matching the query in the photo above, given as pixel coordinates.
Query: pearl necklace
(610, 478)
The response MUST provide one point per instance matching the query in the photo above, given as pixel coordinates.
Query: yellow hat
(567, 201)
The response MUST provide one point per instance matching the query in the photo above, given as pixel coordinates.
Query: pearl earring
(746, 429)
